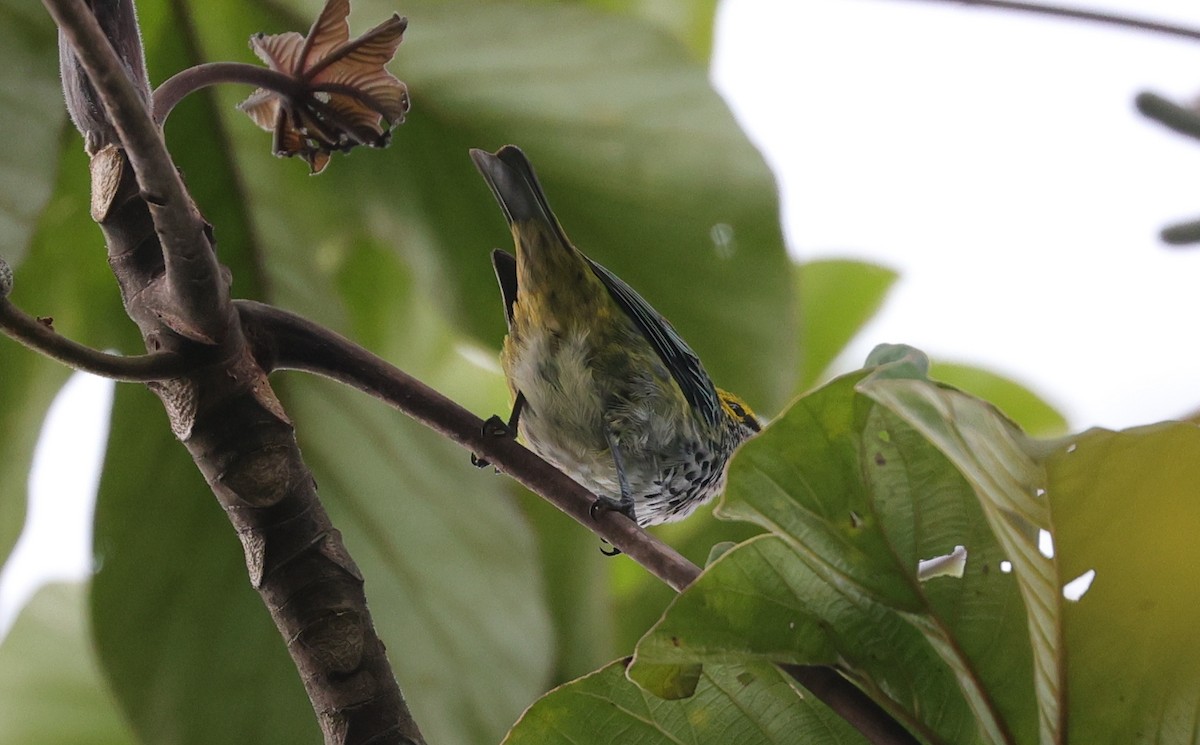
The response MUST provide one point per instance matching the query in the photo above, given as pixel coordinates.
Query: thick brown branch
(41, 337)
(1079, 14)
(224, 411)
(285, 341)
(199, 294)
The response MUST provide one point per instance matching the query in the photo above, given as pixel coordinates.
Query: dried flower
(343, 95)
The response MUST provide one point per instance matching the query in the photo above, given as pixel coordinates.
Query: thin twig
(1166, 112)
(40, 337)
(1182, 234)
(200, 295)
(1079, 14)
(178, 86)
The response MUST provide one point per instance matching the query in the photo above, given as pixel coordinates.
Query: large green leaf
(51, 691)
(837, 298)
(1126, 508)
(690, 21)
(1037, 417)
(739, 704)
(857, 485)
(186, 644)
(30, 112)
(990, 452)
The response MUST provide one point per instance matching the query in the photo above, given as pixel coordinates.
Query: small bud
(6, 278)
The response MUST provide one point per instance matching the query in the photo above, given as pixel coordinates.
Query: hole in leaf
(1006, 566)
(952, 564)
(1046, 544)
(1077, 587)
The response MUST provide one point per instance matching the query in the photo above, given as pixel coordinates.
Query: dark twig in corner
(1185, 121)
(1080, 14)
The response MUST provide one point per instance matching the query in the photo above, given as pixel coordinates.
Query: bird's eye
(737, 409)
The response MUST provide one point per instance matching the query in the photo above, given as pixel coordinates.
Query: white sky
(993, 158)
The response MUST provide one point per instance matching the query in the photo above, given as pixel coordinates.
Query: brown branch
(41, 337)
(179, 85)
(223, 410)
(1079, 14)
(285, 341)
(195, 292)
(1166, 112)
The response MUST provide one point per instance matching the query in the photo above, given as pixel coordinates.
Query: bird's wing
(679, 358)
(505, 265)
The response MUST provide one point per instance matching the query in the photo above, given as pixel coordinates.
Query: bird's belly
(571, 409)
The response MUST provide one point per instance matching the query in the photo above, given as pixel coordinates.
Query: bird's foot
(493, 427)
(608, 504)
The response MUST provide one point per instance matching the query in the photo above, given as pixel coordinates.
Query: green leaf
(29, 116)
(837, 298)
(747, 705)
(1023, 406)
(990, 452)
(690, 21)
(185, 643)
(51, 691)
(64, 278)
(857, 493)
(1125, 508)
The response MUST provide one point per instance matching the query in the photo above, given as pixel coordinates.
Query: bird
(603, 386)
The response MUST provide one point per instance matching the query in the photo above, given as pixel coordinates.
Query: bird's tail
(516, 187)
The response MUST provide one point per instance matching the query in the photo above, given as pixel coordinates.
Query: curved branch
(182, 83)
(40, 337)
(1079, 14)
(285, 341)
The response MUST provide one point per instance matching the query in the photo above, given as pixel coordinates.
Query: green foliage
(1024, 407)
(391, 248)
(837, 298)
(744, 704)
(28, 75)
(51, 689)
(1125, 507)
(486, 596)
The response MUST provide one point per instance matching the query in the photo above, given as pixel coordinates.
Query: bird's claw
(615, 551)
(493, 427)
(604, 504)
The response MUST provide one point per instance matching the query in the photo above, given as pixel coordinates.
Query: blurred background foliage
(485, 595)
